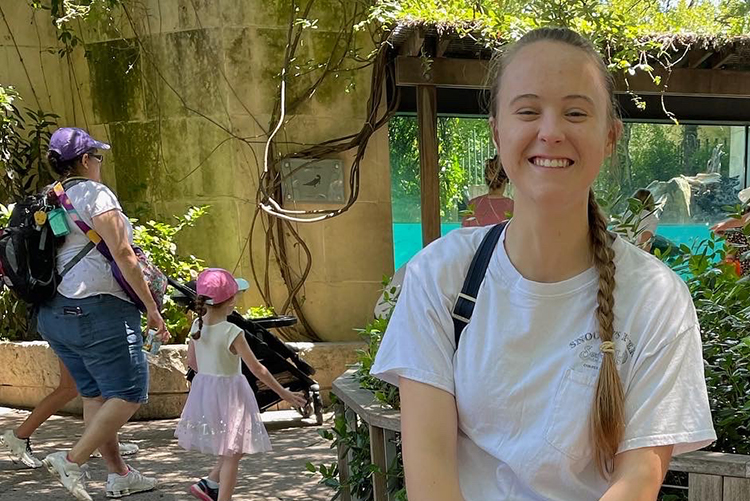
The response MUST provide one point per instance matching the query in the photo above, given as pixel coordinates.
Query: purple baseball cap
(72, 142)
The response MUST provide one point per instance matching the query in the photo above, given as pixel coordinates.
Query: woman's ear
(85, 159)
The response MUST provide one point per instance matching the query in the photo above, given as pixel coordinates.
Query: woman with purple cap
(92, 325)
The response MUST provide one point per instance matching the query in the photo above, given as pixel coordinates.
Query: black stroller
(282, 361)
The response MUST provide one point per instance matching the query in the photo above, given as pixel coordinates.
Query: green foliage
(461, 145)
(372, 334)
(260, 312)
(65, 13)
(721, 300)
(157, 239)
(24, 138)
(355, 439)
(622, 29)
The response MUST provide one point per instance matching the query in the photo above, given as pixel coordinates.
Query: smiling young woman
(521, 410)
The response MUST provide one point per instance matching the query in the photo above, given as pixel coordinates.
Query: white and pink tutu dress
(221, 415)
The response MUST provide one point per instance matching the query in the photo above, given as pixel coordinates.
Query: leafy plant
(354, 437)
(157, 239)
(24, 138)
(260, 312)
(721, 299)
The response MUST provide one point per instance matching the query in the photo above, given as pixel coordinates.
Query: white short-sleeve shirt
(525, 370)
(93, 274)
(212, 349)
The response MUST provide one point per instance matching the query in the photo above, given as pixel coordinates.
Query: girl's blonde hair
(200, 310)
(607, 422)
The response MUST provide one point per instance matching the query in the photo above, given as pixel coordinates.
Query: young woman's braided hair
(494, 174)
(607, 415)
(200, 310)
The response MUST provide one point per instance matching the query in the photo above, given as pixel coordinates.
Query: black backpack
(28, 251)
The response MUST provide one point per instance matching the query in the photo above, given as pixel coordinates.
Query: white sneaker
(126, 449)
(19, 449)
(119, 485)
(72, 476)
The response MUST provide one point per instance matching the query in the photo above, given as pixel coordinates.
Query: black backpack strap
(68, 183)
(464, 306)
(81, 254)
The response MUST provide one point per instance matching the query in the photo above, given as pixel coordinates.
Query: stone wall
(171, 86)
(29, 371)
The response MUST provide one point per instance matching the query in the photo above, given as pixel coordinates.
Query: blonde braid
(200, 310)
(607, 416)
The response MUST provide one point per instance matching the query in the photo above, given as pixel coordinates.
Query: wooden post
(705, 487)
(428, 162)
(377, 456)
(736, 489)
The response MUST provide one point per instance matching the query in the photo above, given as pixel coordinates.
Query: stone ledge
(29, 371)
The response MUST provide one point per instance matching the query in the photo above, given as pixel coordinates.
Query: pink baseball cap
(219, 285)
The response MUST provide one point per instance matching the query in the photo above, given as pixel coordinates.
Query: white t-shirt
(93, 274)
(212, 349)
(524, 373)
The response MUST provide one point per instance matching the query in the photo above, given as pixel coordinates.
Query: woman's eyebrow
(566, 98)
(579, 96)
(524, 96)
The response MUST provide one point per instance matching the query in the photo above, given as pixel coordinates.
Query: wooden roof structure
(441, 71)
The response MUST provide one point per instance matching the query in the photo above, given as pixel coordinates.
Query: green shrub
(24, 139)
(722, 301)
(157, 239)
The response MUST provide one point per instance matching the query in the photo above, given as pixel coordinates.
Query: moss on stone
(115, 80)
(135, 152)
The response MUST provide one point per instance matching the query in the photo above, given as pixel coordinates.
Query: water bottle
(152, 343)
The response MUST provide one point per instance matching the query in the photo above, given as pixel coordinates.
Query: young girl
(581, 372)
(221, 416)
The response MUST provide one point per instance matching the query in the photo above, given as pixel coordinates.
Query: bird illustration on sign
(314, 182)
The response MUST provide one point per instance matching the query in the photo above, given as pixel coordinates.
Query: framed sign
(312, 180)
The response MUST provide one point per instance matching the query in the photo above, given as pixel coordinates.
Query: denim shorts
(99, 340)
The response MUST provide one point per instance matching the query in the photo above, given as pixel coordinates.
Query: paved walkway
(277, 476)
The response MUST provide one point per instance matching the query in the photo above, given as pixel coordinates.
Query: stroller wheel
(307, 410)
(318, 406)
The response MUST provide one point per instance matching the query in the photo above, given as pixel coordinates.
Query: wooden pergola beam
(428, 162)
(413, 45)
(721, 59)
(473, 74)
(696, 58)
(442, 46)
